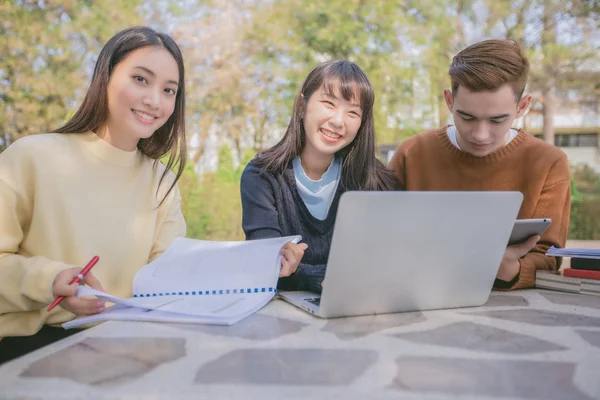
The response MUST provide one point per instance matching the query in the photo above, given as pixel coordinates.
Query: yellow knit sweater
(65, 198)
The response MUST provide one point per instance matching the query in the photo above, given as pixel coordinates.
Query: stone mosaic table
(526, 344)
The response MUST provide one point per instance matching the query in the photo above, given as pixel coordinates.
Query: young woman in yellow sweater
(93, 187)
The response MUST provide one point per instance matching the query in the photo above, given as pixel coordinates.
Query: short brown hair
(489, 65)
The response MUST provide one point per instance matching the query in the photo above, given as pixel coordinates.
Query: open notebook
(198, 281)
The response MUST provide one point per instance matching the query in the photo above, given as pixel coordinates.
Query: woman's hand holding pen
(79, 306)
(292, 255)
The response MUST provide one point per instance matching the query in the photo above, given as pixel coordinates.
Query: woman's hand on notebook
(78, 306)
(510, 266)
(292, 255)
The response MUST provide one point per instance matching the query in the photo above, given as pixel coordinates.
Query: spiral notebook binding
(209, 292)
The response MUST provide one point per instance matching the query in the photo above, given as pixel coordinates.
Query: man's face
(483, 119)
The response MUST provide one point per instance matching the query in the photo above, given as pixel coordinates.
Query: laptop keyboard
(314, 300)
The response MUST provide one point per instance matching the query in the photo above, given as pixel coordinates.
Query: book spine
(581, 273)
(590, 286)
(587, 264)
(551, 281)
(590, 290)
(557, 282)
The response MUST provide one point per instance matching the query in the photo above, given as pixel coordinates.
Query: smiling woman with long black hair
(93, 187)
(294, 188)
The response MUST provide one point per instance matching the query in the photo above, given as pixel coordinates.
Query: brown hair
(93, 112)
(489, 65)
(361, 170)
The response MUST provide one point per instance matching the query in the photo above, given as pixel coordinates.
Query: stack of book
(583, 277)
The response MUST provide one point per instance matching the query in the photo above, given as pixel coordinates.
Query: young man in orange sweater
(482, 152)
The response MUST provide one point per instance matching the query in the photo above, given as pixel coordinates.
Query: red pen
(77, 279)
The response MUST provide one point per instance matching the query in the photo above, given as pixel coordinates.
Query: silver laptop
(410, 251)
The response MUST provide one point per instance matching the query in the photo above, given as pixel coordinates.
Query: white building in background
(576, 127)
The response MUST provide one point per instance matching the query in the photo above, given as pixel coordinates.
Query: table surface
(530, 344)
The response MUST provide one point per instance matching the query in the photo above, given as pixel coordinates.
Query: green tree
(306, 33)
(47, 50)
(559, 36)
(192, 203)
(234, 96)
(212, 205)
(438, 41)
(226, 171)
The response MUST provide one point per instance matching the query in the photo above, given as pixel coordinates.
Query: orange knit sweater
(429, 161)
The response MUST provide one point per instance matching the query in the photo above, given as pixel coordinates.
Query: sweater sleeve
(25, 282)
(309, 277)
(259, 214)
(170, 224)
(398, 165)
(555, 203)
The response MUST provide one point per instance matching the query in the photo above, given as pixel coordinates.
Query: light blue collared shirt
(318, 195)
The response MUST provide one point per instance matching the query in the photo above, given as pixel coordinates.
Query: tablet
(523, 229)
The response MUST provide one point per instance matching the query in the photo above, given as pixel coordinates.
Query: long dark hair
(360, 170)
(93, 112)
